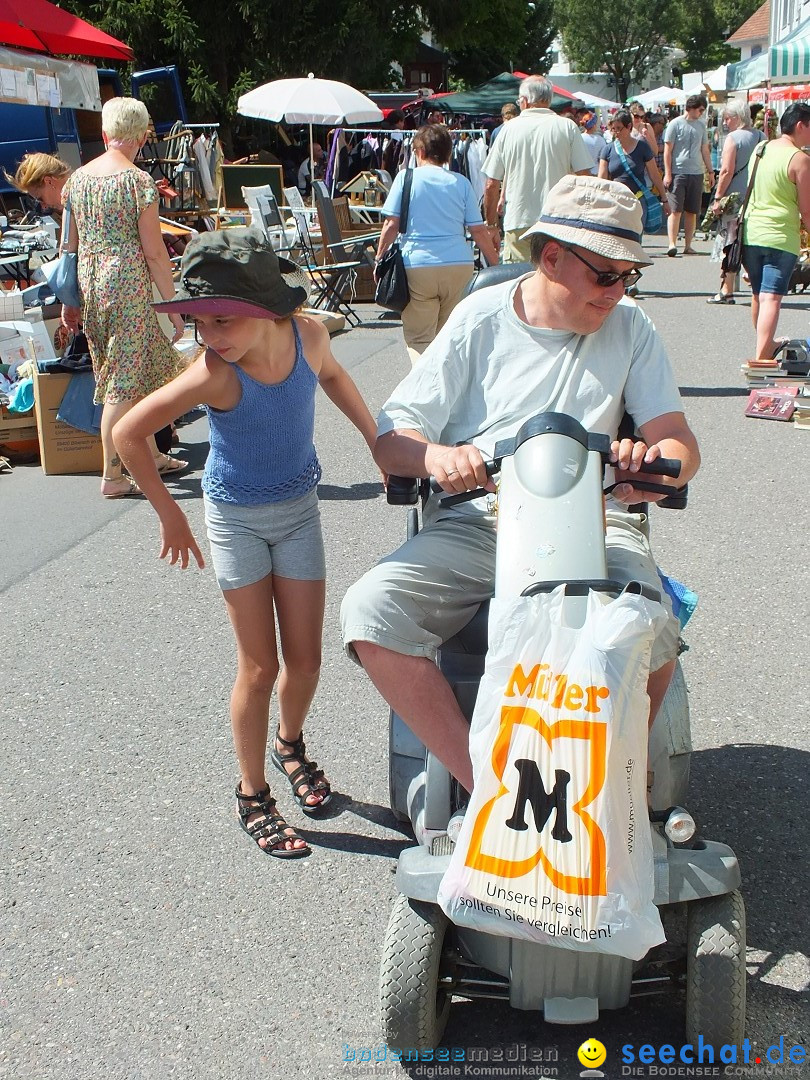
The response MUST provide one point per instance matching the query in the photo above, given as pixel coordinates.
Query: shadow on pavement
(355, 493)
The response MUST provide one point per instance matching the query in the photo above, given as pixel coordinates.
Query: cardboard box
(62, 448)
(16, 427)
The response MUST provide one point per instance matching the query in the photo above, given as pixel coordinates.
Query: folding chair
(266, 215)
(330, 279)
(340, 241)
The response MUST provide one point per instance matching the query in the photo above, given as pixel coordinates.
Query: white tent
(696, 82)
(662, 95)
(593, 101)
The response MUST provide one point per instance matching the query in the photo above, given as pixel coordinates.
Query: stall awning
(790, 59)
(747, 73)
(488, 98)
(39, 26)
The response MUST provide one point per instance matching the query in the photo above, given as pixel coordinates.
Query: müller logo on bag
(559, 740)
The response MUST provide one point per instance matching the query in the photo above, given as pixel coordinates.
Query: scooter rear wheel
(414, 1005)
(715, 970)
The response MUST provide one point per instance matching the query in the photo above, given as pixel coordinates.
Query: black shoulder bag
(732, 253)
(392, 290)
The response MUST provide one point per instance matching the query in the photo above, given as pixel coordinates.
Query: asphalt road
(145, 937)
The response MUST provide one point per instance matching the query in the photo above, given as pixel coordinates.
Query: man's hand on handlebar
(458, 468)
(627, 457)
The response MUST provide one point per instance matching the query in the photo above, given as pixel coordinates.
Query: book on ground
(771, 404)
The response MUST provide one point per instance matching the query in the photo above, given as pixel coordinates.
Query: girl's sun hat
(236, 272)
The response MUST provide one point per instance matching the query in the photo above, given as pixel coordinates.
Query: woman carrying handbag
(436, 256)
(777, 205)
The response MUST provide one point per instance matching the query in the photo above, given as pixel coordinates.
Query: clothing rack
(408, 131)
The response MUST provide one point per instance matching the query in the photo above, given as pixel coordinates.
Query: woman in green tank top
(779, 204)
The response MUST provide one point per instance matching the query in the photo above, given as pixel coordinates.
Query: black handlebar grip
(402, 491)
(491, 467)
(677, 500)
(663, 466)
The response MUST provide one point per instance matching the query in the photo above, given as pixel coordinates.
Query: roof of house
(758, 26)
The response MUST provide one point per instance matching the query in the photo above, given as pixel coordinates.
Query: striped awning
(790, 60)
(747, 73)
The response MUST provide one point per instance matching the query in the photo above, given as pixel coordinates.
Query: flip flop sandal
(131, 489)
(269, 825)
(307, 779)
(171, 465)
(719, 298)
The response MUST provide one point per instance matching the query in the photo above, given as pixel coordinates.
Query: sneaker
(672, 252)
(720, 298)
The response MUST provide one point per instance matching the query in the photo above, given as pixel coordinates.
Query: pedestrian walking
(532, 153)
(258, 377)
(592, 137)
(778, 206)
(686, 158)
(739, 145)
(438, 259)
(115, 228)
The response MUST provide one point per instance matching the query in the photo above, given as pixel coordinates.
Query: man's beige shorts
(423, 593)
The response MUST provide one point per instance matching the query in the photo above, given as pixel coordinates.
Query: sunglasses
(606, 278)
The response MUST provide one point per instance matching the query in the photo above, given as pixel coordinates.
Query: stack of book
(770, 373)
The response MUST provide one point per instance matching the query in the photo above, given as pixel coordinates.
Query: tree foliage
(700, 28)
(223, 49)
(486, 37)
(623, 37)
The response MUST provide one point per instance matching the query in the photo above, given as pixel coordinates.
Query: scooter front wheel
(715, 970)
(414, 996)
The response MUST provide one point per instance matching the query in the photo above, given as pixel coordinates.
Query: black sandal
(270, 826)
(307, 779)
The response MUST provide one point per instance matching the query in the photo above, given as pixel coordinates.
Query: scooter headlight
(680, 825)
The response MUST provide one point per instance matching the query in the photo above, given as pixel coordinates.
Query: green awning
(790, 59)
(748, 73)
(488, 98)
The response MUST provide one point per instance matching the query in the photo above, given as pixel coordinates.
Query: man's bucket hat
(236, 272)
(601, 216)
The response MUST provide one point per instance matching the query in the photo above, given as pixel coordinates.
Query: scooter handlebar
(491, 466)
(663, 466)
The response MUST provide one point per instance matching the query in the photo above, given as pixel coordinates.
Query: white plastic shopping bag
(555, 846)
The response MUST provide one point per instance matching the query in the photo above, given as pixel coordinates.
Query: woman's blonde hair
(124, 119)
(34, 169)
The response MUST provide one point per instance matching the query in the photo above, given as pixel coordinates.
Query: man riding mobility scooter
(550, 532)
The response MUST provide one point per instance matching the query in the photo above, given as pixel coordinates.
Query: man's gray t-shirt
(687, 138)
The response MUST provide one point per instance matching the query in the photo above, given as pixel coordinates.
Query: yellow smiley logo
(592, 1054)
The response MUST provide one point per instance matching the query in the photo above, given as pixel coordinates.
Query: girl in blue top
(257, 377)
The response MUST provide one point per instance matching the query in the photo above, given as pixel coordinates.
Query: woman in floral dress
(116, 230)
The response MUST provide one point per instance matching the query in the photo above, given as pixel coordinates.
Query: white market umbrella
(309, 101)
